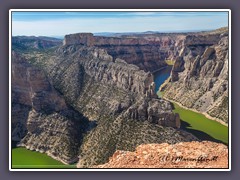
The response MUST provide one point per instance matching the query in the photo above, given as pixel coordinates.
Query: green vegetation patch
(202, 127)
(170, 62)
(24, 158)
(160, 94)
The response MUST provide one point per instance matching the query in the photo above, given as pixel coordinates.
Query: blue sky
(61, 23)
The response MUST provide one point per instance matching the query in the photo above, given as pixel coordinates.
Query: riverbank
(24, 158)
(201, 126)
(194, 110)
(161, 76)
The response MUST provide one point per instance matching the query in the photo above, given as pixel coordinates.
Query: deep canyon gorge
(82, 100)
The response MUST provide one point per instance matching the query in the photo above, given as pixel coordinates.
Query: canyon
(83, 100)
(148, 52)
(199, 73)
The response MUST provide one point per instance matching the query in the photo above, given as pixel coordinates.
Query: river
(24, 158)
(193, 122)
(160, 76)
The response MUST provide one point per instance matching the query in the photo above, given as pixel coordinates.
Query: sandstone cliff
(181, 155)
(199, 77)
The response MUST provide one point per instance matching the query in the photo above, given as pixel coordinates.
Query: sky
(62, 23)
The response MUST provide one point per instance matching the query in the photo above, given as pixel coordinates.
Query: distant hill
(33, 42)
(127, 34)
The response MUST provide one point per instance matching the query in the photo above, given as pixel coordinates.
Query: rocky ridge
(199, 78)
(147, 52)
(193, 154)
(134, 87)
(41, 119)
(22, 43)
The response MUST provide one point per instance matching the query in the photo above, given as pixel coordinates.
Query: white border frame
(121, 10)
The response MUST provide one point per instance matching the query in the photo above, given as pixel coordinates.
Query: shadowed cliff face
(41, 119)
(31, 87)
(200, 75)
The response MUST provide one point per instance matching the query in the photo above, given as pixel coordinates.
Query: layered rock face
(199, 77)
(147, 52)
(181, 155)
(41, 119)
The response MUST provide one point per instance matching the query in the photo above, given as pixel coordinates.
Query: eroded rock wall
(41, 119)
(199, 78)
(147, 52)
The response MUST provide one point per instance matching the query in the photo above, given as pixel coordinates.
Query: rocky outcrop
(134, 87)
(147, 52)
(181, 155)
(199, 78)
(86, 39)
(58, 134)
(201, 40)
(31, 87)
(41, 119)
(155, 111)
